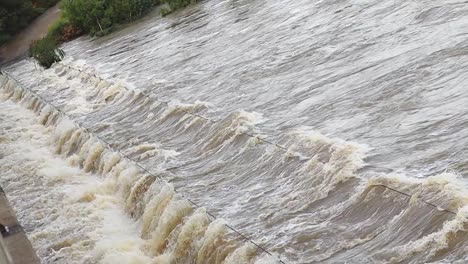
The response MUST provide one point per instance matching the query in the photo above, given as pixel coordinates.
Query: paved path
(19, 46)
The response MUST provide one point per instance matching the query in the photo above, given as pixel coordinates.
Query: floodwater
(324, 131)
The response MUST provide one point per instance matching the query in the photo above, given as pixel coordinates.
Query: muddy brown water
(327, 131)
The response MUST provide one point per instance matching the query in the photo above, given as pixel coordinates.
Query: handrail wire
(411, 195)
(143, 168)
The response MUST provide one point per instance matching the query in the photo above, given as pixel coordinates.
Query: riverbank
(19, 45)
(44, 36)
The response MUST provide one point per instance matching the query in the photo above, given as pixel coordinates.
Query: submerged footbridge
(257, 137)
(301, 200)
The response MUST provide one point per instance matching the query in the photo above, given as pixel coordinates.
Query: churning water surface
(326, 131)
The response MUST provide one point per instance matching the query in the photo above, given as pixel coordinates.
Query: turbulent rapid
(248, 132)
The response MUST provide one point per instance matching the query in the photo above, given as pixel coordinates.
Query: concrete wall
(15, 243)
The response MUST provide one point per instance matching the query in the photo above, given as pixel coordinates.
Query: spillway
(247, 132)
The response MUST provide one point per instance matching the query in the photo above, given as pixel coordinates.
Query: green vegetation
(57, 28)
(62, 31)
(17, 14)
(46, 52)
(101, 16)
(173, 5)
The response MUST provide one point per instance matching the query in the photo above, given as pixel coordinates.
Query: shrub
(85, 14)
(46, 52)
(69, 32)
(46, 3)
(173, 5)
(62, 31)
(123, 11)
(57, 28)
(99, 16)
